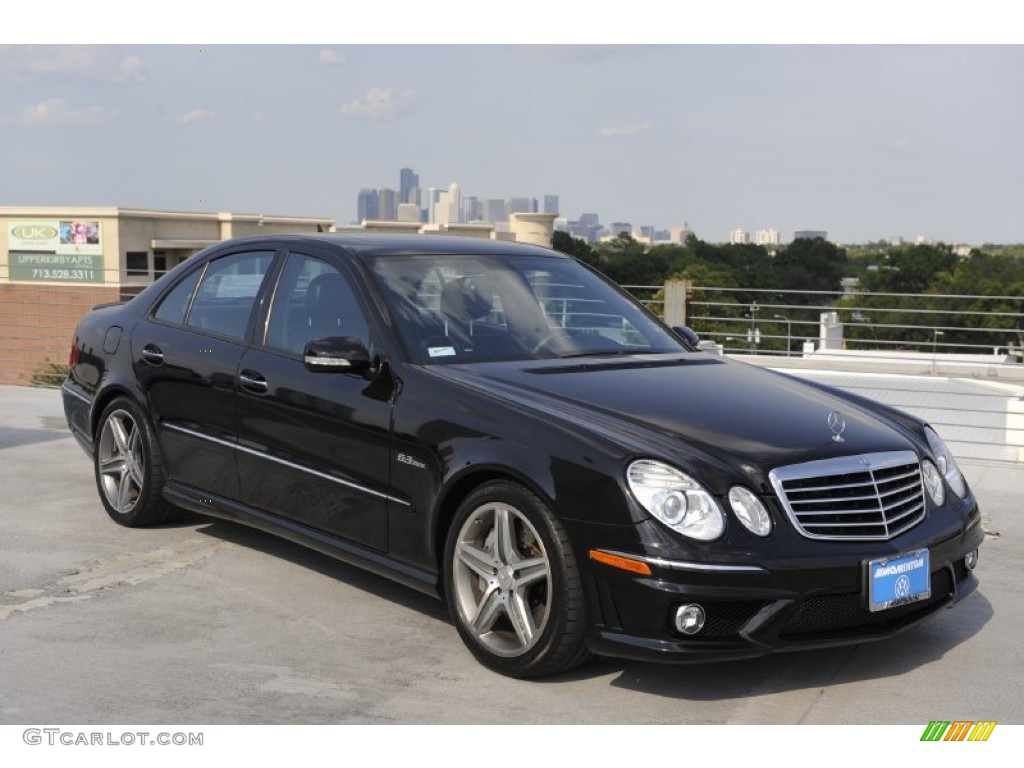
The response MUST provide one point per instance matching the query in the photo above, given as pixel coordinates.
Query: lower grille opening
(725, 618)
(835, 613)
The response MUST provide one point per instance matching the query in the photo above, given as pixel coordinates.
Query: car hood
(694, 405)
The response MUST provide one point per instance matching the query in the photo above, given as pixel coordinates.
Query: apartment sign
(64, 250)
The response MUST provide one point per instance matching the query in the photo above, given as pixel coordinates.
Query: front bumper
(754, 611)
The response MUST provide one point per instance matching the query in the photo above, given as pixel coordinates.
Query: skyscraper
(387, 205)
(409, 186)
(430, 204)
(522, 205)
(494, 211)
(448, 207)
(588, 227)
(739, 237)
(470, 208)
(409, 212)
(680, 234)
(551, 204)
(366, 206)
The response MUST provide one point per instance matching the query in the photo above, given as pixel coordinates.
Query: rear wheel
(512, 583)
(129, 470)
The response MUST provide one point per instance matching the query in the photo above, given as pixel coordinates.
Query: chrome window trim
(682, 565)
(286, 463)
(867, 462)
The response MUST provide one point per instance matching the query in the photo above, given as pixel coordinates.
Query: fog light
(689, 619)
(971, 560)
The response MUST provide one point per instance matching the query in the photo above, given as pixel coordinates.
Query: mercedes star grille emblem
(837, 424)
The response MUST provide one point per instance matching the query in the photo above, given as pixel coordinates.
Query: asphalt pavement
(211, 622)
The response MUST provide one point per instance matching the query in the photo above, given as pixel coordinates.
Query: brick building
(57, 263)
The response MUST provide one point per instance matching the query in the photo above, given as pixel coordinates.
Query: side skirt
(216, 506)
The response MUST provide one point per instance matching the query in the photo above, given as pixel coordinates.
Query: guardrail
(773, 322)
(979, 419)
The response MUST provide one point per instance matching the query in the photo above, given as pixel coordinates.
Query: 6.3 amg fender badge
(404, 458)
(837, 424)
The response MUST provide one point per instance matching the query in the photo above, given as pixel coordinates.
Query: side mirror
(344, 354)
(687, 334)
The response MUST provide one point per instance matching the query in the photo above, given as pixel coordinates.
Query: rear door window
(174, 307)
(225, 298)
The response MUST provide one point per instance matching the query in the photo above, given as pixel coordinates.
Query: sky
(866, 141)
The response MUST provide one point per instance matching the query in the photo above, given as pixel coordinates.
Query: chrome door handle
(152, 354)
(254, 382)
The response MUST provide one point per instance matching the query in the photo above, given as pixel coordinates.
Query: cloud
(623, 129)
(331, 56)
(378, 104)
(197, 115)
(590, 54)
(129, 70)
(59, 112)
(90, 62)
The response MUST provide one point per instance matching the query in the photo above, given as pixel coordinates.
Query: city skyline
(866, 142)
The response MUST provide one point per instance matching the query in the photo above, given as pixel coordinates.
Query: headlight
(750, 511)
(933, 482)
(946, 463)
(676, 499)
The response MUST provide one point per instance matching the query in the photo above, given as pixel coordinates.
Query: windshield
(460, 309)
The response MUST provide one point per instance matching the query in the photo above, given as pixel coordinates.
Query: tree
(574, 246)
(808, 265)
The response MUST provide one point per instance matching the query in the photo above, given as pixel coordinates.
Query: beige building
(58, 262)
(739, 237)
(532, 228)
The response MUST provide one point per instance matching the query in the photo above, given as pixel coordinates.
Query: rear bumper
(78, 412)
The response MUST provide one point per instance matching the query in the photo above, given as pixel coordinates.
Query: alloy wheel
(121, 461)
(502, 579)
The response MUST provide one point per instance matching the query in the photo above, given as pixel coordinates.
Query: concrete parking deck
(210, 622)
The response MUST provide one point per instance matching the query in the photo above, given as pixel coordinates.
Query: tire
(512, 584)
(129, 469)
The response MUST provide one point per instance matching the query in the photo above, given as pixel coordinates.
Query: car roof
(372, 245)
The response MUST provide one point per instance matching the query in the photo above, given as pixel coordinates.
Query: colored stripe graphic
(958, 730)
(982, 730)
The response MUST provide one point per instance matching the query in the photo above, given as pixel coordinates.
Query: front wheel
(129, 470)
(512, 583)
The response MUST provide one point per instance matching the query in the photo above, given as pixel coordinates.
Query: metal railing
(773, 322)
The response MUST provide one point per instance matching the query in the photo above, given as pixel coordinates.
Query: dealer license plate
(899, 580)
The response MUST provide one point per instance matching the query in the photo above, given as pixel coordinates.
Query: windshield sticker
(441, 351)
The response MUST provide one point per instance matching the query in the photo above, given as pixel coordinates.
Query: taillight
(73, 357)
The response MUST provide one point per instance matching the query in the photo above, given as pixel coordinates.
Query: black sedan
(499, 425)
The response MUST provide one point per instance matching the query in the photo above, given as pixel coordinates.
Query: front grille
(835, 613)
(871, 497)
